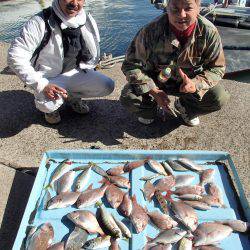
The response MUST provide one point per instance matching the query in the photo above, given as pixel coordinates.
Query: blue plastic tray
(237, 206)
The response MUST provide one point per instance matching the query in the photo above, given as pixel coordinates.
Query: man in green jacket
(186, 46)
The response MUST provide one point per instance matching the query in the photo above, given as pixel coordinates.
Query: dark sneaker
(52, 118)
(79, 105)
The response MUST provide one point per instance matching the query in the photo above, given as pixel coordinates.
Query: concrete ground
(25, 136)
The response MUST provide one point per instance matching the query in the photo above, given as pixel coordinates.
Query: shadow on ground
(106, 122)
(17, 200)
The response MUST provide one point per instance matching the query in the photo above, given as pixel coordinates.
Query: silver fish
(116, 170)
(57, 246)
(148, 191)
(185, 214)
(176, 166)
(76, 239)
(138, 216)
(63, 200)
(169, 236)
(190, 165)
(109, 223)
(129, 166)
(41, 238)
(198, 205)
(60, 170)
(99, 242)
(206, 176)
(196, 189)
(119, 181)
(64, 183)
(82, 180)
(82, 168)
(165, 184)
(212, 201)
(124, 229)
(162, 221)
(183, 180)
(148, 178)
(99, 170)
(167, 167)
(90, 196)
(236, 225)
(114, 195)
(85, 220)
(215, 191)
(185, 244)
(126, 206)
(156, 166)
(190, 197)
(210, 233)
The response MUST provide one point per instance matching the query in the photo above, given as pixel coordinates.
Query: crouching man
(56, 54)
(180, 53)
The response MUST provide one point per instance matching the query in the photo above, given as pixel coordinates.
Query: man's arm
(21, 51)
(135, 63)
(213, 67)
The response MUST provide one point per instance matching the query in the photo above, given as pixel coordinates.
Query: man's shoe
(145, 121)
(181, 109)
(52, 118)
(79, 105)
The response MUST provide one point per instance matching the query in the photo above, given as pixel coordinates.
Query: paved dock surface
(25, 136)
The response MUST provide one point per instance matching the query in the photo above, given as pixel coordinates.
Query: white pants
(79, 84)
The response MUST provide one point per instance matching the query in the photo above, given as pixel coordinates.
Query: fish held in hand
(162, 221)
(64, 183)
(63, 200)
(85, 220)
(138, 216)
(126, 206)
(41, 238)
(210, 233)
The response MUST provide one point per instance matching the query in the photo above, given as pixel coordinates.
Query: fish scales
(76, 239)
(165, 184)
(99, 242)
(114, 196)
(82, 180)
(126, 206)
(57, 246)
(64, 183)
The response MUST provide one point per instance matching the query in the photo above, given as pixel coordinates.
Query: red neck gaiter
(183, 36)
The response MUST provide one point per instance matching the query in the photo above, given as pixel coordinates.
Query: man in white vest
(56, 55)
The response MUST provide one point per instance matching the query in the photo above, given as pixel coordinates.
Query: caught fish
(63, 200)
(185, 214)
(208, 233)
(198, 205)
(188, 164)
(60, 170)
(99, 170)
(236, 225)
(126, 206)
(165, 183)
(206, 176)
(162, 221)
(90, 196)
(119, 181)
(190, 197)
(156, 166)
(149, 178)
(99, 242)
(76, 239)
(160, 247)
(167, 168)
(85, 220)
(208, 247)
(129, 166)
(114, 244)
(40, 238)
(57, 246)
(116, 170)
(196, 189)
(215, 191)
(64, 183)
(176, 166)
(212, 201)
(168, 236)
(82, 168)
(162, 201)
(138, 216)
(114, 196)
(124, 229)
(109, 223)
(183, 180)
(185, 244)
(148, 191)
(82, 180)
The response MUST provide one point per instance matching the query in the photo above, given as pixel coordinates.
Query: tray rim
(221, 154)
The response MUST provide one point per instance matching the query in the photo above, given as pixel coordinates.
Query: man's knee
(220, 96)
(109, 86)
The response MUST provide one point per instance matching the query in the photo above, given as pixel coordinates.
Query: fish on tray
(206, 176)
(57, 246)
(76, 239)
(190, 165)
(162, 201)
(176, 166)
(196, 189)
(114, 196)
(126, 206)
(99, 242)
(148, 191)
(183, 180)
(156, 166)
(82, 180)
(129, 166)
(165, 184)
(124, 229)
(65, 182)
